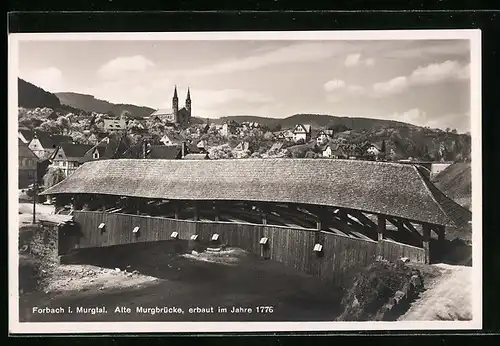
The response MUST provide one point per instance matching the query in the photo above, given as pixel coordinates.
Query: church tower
(175, 104)
(188, 103)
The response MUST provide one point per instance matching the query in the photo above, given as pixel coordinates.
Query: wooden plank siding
(292, 247)
(393, 251)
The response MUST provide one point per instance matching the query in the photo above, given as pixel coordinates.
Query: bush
(372, 289)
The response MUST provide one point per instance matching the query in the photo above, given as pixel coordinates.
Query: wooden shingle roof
(374, 187)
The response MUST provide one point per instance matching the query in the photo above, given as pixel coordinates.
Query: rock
(399, 296)
(195, 252)
(416, 282)
(117, 270)
(130, 275)
(136, 272)
(355, 302)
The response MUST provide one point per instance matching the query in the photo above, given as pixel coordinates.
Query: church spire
(188, 97)
(175, 92)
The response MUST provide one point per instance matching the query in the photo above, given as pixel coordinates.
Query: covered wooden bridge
(324, 217)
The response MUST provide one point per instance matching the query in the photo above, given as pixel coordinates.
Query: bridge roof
(374, 187)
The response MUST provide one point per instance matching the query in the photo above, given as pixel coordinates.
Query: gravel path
(448, 298)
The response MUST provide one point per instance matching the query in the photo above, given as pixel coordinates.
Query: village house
(371, 149)
(175, 115)
(302, 132)
(172, 139)
(25, 135)
(242, 146)
(110, 147)
(229, 128)
(27, 165)
(113, 125)
(335, 151)
(69, 157)
(43, 144)
(324, 136)
(202, 146)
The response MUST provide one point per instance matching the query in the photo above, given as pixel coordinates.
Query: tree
(53, 176)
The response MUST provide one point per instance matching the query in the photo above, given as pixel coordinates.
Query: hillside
(90, 104)
(455, 182)
(317, 121)
(31, 96)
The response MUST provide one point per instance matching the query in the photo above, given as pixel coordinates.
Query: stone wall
(40, 241)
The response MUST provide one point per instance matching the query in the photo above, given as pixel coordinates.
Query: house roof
(161, 111)
(27, 134)
(302, 127)
(373, 187)
(109, 148)
(174, 137)
(58, 139)
(114, 124)
(45, 140)
(24, 151)
(164, 152)
(75, 152)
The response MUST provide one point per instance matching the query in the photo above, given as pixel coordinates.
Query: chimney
(183, 149)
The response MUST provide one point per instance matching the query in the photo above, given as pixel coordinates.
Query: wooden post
(216, 210)
(425, 242)
(441, 234)
(196, 216)
(319, 225)
(381, 227)
(264, 214)
(177, 211)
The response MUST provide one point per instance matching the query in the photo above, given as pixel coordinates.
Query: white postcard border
(473, 35)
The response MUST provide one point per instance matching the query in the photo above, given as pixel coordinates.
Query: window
(96, 154)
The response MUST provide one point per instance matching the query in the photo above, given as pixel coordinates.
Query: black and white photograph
(259, 181)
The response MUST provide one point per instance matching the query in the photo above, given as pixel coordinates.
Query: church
(175, 115)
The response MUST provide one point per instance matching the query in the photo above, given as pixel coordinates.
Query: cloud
(393, 86)
(355, 59)
(50, 79)
(338, 90)
(427, 75)
(334, 84)
(435, 73)
(115, 68)
(292, 53)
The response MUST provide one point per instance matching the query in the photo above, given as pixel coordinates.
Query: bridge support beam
(426, 242)
(380, 227)
(381, 230)
(216, 211)
(196, 216)
(177, 211)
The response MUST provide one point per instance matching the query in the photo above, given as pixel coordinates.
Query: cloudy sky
(420, 82)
